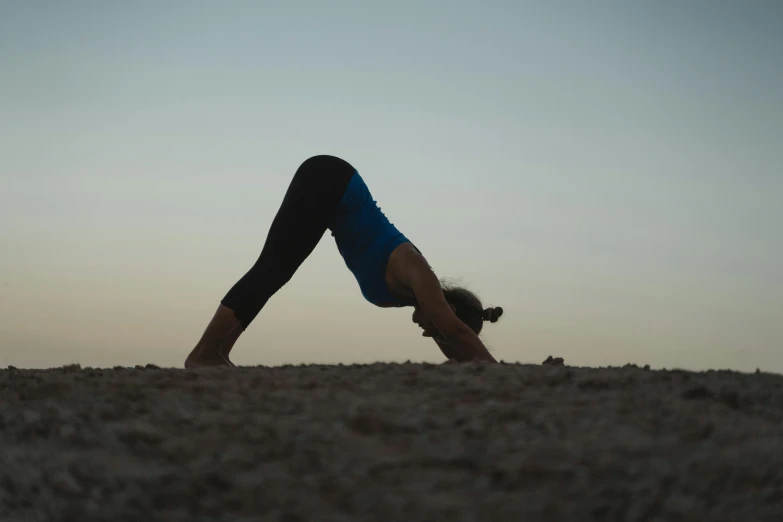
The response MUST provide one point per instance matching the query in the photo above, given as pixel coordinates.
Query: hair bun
(493, 314)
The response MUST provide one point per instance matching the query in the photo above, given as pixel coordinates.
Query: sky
(609, 172)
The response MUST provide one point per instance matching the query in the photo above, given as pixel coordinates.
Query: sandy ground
(390, 442)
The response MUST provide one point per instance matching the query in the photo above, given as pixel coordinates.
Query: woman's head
(469, 309)
(466, 305)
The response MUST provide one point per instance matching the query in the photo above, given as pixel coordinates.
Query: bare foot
(207, 361)
(216, 341)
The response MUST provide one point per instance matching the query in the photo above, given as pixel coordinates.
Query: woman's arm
(447, 351)
(464, 347)
(460, 342)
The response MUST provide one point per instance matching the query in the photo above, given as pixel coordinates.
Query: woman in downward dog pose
(328, 193)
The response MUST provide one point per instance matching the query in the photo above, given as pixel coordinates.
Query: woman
(327, 192)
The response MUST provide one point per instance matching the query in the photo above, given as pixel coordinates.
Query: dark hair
(468, 307)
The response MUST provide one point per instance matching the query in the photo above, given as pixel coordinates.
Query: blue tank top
(366, 239)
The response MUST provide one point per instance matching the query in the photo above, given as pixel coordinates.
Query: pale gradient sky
(608, 172)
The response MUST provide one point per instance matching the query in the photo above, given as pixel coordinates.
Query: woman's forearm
(446, 349)
(465, 346)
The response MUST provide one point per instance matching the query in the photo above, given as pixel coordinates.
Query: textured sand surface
(390, 442)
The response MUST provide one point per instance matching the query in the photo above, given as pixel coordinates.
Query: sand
(389, 442)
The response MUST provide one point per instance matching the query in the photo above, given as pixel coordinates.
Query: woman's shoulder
(404, 255)
(404, 261)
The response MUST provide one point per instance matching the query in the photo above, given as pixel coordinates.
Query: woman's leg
(308, 207)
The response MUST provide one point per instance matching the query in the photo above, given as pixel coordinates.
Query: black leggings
(308, 207)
